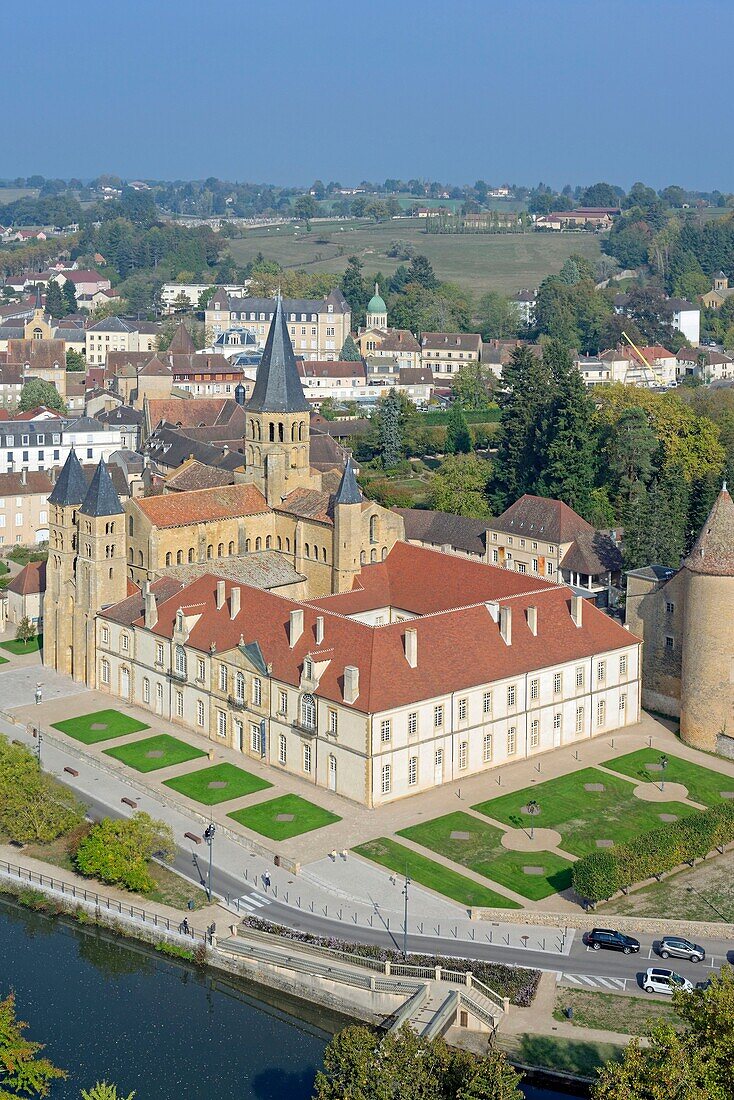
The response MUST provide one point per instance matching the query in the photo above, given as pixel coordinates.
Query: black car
(615, 941)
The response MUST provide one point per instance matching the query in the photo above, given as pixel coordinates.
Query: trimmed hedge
(490, 415)
(517, 983)
(601, 874)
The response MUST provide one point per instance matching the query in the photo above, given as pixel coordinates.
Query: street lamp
(209, 838)
(533, 809)
(663, 766)
(39, 739)
(405, 915)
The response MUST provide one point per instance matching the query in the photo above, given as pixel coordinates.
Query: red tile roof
(30, 580)
(203, 505)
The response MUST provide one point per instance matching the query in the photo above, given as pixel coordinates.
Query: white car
(665, 981)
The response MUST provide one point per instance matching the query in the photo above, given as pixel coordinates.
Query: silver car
(677, 948)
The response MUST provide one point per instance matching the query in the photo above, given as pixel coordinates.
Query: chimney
(577, 603)
(220, 595)
(506, 624)
(411, 647)
(533, 620)
(494, 609)
(319, 629)
(151, 610)
(296, 627)
(234, 602)
(351, 683)
(24, 476)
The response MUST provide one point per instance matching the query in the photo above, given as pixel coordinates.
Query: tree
(75, 360)
(69, 295)
(390, 434)
(422, 273)
(306, 207)
(494, 1079)
(460, 486)
(119, 851)
(629, 450)
(472, 386)
(103, 1091)
(458, 437)
(570, 466)
(33, 806)
(599, 194)
(354, 289)
(497, 316)
(524, 400)
(350, 352)
(55, 304)
(25, 631)
(37, 392)
(22, 1071)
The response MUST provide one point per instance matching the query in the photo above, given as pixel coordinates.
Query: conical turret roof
(713, 552)
(181, 344)
(101, 498)
(278, 388)
(348, 491)
(71, 485)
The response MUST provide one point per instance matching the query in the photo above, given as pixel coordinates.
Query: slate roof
(71, 486)
(592, 553)
(539, 517)
(277, 386)
(123, 414)
(448, 341)
(349, 491)
(713, 551)
(444, 529)
(112, 324)
(195, 475)
(169, 447)
(101, 498)
(263, 569)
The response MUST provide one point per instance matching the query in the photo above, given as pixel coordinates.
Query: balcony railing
(300, 727)
(236, 703)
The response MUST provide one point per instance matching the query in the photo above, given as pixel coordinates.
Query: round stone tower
(707, 666)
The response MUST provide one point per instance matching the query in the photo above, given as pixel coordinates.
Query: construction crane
(646, 365)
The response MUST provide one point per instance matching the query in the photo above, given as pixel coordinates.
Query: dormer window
(308, 668)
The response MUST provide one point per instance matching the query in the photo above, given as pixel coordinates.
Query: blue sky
(288, 90)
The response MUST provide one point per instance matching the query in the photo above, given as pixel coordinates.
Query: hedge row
(490, 415)
(515, 982)
(601, 874)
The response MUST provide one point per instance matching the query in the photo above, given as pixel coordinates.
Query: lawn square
(161, 751)
(396, 857)
(221, 783)
(704, 785)
(19, 648)
(284, 817)
(101, 725)
(484, 854)
(583, 815)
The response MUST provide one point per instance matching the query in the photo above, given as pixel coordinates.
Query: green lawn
(3, 660)
(19, 648)
(101, 725)
(428, 873)
(297, 816)
(480, 261)
(204, 786)
(152, 753)
(481, 851)
(582, 817)
(612, 1011)
(704, 785)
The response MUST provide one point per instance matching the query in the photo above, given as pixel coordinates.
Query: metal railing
(475, 1006)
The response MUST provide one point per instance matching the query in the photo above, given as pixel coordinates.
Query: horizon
(405, 94)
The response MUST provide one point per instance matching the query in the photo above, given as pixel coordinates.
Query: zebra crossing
(593, 981)
(250, 903)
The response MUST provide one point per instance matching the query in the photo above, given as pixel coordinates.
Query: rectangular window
(534, 733)
(18, 519)
(105, 672)
(105, 635)
(221, 723)
(438, 716)
(579, 719)
(282, 749)
(623, 665)
(412, 723)
(385, 731)
(199, 713)
(200, 669)
(601, 713)
(386, 778)
(283, 703)
(462, 710)
(670, 608)
(601, 671)
(669, 641)
(333, 721)
(179, 704)
(146, 690)
(534, 689)
(159, 654)
(557, 720)
(511, 741)
(580, 676)
(487, 748)
(307, 759)
(535, 565)
(124, 643)
(222, 677)
(463, 754)
(549, 568)
(257, 691)
(511, 695)
(412, 771)
(487, 702)
(255, 737)
(557, 683)
(495, 556)
(520, 566)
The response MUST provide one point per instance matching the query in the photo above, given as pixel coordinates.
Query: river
(109, 1009)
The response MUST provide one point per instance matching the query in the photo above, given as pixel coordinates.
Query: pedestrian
(39, 694)
(184, 927)
(266, 879)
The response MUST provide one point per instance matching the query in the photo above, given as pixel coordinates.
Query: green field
(206, 786)
(152, 753)
(19, 648)
(296, 815)
(101, 725)
(396, 857)
(480, 849)
(480, 262)
(582, 817)
(10, 194)
(704, 785)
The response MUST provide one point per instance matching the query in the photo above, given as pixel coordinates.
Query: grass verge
(221, 783)
(153, 753)
(704, 785)
(284, 817)
(101, 725)
(612, 1012)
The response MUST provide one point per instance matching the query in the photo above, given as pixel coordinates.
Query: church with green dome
(376, 311)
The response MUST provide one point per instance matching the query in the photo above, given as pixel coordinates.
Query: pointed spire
(277, 387)
(71, 485)
(348, 491)
(181, 344)
(101, 498)
(713, 551)
(38, 303)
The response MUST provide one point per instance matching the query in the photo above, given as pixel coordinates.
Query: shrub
(119, 851)
(601, 874)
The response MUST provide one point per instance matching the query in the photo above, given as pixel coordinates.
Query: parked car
(680, 949)
(665, 981)
(610, 938)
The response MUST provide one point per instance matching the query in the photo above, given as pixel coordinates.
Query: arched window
(209, 551)
(130, 526)
(308, 550)
(363, 558)
(191, 553)
(279, 543)
(140, 557)
(308, 712)
(384, 552)
(373, 528)
(180, 658)
(301, 429)
(281, 434)
(373, 555)
(258, 543)
(287, 545)
(323, 553)
(220, 550)
(268, 542)
(240, 688)
(294, 431)
(131, 554)
(231, 549)
(146, 690)
(104, 671)
(272, 432)
(248, 545)
(179, 557)
(169, 559)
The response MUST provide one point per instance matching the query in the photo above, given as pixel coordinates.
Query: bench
(192, 836)
(71, 771)
(129, 802)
